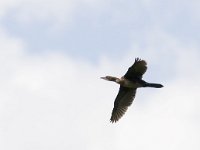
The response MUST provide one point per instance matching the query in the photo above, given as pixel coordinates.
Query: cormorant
(128, 85)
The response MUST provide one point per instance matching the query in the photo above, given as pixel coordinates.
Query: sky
(53, 53)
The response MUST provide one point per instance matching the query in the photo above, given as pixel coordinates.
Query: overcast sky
(53, 53)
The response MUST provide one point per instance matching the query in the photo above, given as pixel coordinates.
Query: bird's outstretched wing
(136, 70)
(123, 100)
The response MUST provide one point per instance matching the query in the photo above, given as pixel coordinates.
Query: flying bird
(128, 86)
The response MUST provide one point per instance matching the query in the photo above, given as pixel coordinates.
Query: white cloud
(6, 5)
(57, 13)
(60, 12)
(54, 102)
(51, 101)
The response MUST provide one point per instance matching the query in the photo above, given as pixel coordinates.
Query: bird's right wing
(123, 100)
(136, 70)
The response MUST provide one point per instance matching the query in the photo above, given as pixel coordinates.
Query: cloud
(57, 13)
(51, 101)
(48, 101)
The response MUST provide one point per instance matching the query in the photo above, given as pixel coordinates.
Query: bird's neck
(119, 80)
(111, 78)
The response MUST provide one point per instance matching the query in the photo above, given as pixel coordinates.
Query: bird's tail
(155, 85)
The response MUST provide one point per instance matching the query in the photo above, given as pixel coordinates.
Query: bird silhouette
(128, 86)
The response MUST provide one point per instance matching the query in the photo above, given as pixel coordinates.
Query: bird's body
(128, 85)
(123, 82)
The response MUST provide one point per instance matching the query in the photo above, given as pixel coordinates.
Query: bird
(128, 86)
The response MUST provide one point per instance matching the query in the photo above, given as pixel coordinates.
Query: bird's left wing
(136, 70)
(123, 100)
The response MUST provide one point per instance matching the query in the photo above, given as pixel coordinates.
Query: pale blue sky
(53, 53)
(110, 29)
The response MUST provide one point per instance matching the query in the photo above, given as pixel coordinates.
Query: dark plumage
(128, 85)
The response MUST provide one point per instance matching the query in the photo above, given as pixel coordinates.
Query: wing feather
(136, 70)
(123, 100)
